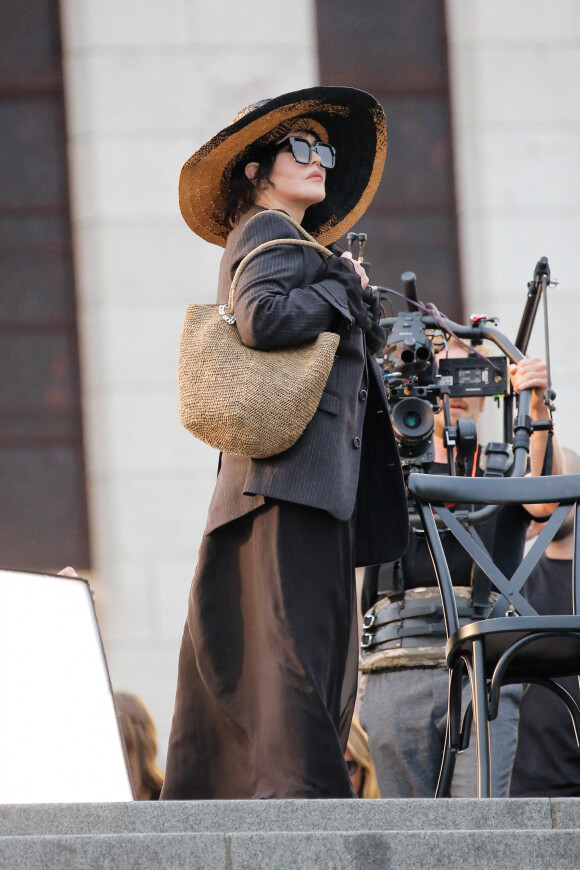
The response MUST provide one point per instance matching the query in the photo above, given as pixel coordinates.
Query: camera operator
(405, 679)
(547, 762)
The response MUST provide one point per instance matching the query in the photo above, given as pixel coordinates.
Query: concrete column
(514, 67)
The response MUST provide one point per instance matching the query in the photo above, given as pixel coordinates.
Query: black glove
(373, 300)
(375, 336)
(341, 269)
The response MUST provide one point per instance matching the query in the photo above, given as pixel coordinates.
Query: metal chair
(513, 644)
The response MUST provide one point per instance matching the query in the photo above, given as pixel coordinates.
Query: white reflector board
(60, 740)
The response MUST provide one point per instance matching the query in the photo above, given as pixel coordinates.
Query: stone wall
(516, 110)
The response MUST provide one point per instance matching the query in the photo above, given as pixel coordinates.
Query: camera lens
(412, 420)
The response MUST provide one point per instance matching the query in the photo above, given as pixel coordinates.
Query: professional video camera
(419, 385)
(420, 381)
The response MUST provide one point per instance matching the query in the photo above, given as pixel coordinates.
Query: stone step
(291, 835)
(362, 850)
(289, 815)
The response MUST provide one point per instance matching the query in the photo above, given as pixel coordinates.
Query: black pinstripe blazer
(347, 456)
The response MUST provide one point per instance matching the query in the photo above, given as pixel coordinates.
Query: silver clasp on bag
(229, 318)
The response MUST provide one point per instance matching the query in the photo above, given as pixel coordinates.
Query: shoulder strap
(307, 242)
(286, 217)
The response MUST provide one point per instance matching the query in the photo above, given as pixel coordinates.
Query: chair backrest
(432, 493)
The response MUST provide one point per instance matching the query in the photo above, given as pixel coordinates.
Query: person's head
(141, 744)
(288, 175)
(253, 161)
(460, 407)
(359, 762)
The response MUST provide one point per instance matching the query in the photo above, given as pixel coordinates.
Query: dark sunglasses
(302, 151)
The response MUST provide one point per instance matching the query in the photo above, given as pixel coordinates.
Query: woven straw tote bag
(241, 400)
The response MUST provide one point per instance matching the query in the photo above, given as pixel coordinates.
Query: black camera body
(416, 383)
(474, 376)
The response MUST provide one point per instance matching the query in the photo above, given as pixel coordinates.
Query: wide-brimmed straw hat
(349, 119)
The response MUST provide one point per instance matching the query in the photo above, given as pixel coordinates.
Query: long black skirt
(268, 663)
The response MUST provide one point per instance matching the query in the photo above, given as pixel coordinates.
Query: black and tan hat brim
(350, 119)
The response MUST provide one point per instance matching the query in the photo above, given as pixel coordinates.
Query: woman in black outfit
(268, 664)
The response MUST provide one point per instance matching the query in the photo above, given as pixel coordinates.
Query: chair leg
(466, 724)
(453, 731)
(479, 691)
(447, 768)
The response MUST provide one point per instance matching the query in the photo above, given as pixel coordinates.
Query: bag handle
(286, 216)
(307, 242)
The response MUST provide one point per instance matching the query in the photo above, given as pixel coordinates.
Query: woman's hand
(364, 278)
(68, 572)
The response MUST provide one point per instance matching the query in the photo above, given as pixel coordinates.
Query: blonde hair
(358, 746)
(141, 744)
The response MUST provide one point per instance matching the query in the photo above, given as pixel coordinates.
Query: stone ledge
(287, 815)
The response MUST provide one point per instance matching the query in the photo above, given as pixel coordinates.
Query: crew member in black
(547, 762)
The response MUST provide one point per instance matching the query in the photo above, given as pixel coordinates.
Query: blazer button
(356, 442)
(362, 395)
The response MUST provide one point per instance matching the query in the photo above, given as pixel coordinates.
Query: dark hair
(242, 190)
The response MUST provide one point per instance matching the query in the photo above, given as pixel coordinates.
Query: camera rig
(420, 385)
(420, 381)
